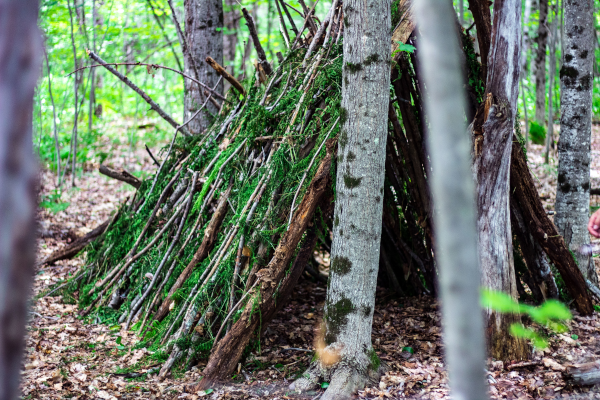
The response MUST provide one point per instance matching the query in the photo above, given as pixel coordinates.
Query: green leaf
(409, 349)
(208, 391)
(116, 328)
(325, 385)
(499, 301)
(518, 330)
(55, 208)
(406, 47)
(574, 337)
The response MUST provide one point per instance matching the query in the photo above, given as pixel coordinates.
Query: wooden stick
(284, 31)
(260, 52)
(221, 71)
(121, 175)
(153, 105)
(228, 351)
(152, 156)
(308, 17)
(287, 13)
(583, 374)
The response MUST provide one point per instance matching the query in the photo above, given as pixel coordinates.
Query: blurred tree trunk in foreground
(20, 51)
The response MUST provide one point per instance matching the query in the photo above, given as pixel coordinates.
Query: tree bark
(358, 210)
(526, 37)
(78, 245)
(231, 15)
(540, 64)
(483, 22)
(551, 79)
(20, 55)
(453, 193)
(492, 167)
(573, 192)
(203, 32)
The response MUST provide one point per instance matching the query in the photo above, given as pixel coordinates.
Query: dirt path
(68, 359)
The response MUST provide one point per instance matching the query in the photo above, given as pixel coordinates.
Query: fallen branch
(274, 279)
(260, 52)
(583, 374)
(152, 156)
(226, 75)
(153, 105)
(74, 248)
(120, 175)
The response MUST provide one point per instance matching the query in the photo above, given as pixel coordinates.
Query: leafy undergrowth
(68, 359)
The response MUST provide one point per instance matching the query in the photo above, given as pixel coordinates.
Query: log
(74, 248)
(543, 230)
(209, 240)
(121, 175)
(276, 283)
(226, 75)
(583, 374)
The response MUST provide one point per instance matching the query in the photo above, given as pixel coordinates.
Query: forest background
(142, 31)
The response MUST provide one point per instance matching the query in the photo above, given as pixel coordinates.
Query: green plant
(537, 133)
(52, 202)
(551, 314)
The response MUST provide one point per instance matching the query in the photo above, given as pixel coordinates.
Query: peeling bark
(492, 166)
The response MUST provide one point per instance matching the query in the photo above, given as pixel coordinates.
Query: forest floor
(66, 358)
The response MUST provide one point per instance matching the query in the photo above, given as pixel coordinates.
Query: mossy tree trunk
(358, 209)
(573, 194)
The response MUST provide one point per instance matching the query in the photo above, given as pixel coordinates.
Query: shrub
(537, 133)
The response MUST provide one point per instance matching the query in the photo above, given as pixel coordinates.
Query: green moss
(352, 67)
(343, 115)
(341, 265)
(343, 139)
(375, 361)
(373, 58)
(336, 221)
(351, 156)
(336, 317)
(351, 182)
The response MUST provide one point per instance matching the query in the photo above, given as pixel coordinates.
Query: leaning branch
(221, 71)
(260, 52)
(139, 91)
(121, 175)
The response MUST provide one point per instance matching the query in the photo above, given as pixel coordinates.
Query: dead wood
(74, 248)
(153, 105)
(583, 374)
(275, 284)
(226, 75)
(121, 175)
(543, 230)
(260, 52)
(208, 241)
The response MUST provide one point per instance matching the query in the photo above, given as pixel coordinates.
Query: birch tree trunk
(551, 77)
(454, 200)
(203, 33)
(358, 209)
(492, 166)
(540, 64)
(573, 192)
(20, 51)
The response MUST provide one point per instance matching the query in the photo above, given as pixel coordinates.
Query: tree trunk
(20, 51)
(526, 37)
(551, 77)
(540, 64)
(203, 33)
(358, 210)
(483, 22)
(453, 188)
(573, 192)
(492, 165)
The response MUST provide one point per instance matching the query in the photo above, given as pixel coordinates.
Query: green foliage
(403, 47)
(550, 314)
(537, 132)
(53, 202)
